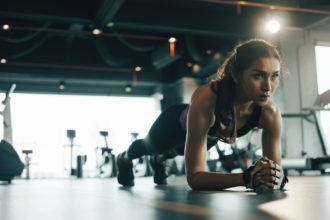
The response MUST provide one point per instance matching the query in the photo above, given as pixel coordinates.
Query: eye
(258, 76)
(275, 76)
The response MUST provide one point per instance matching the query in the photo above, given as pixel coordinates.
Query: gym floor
(77, 199)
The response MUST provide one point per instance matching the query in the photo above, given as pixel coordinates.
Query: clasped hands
(267, 175)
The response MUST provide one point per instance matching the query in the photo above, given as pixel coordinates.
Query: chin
(261, 103)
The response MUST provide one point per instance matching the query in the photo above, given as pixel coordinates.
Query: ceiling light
(273, 26)
(172, 40)
(217, 56)
(5, 27)
(189, 65)
(61, 86)
(196, 68)
(97, 31)
(138, 68)
(128, 88)
(3, 61)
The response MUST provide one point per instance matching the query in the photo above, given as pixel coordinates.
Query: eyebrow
(264, 72)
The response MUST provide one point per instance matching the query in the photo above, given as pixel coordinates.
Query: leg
(137, 149)
(158, 164)
(162, 138)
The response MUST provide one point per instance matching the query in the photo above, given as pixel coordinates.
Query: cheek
(275, 85)
(253, 86)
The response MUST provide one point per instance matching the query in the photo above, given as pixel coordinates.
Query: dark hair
(242, 56)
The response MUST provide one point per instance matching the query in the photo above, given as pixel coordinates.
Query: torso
(243, 126)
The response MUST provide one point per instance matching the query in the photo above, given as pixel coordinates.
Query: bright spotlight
(97, 31)
(5, 27)
(273, 26)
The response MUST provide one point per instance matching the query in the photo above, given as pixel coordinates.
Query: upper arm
(200, 119)
(271, 123)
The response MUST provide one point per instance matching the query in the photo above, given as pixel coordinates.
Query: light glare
(5, 27)
(273, 26)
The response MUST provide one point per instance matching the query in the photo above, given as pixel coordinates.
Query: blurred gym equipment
(105, 159)
(238, 155)
(81, 160)
(6, 113)
(71, 134)
(10, 163)
(27, 162)
(311, 115)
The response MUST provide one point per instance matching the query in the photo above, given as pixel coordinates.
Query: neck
(243, 108)
(243, 104)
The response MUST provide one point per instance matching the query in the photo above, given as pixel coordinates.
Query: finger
(271, 162)
(272, 165)
(275, 166)
(270, 179)
(267, 172)
(262, 163)
(278, 174)
(269, 184)
(265, 158)
(270, 173)
(262, 160)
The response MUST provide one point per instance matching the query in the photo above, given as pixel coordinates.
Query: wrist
(248, 178)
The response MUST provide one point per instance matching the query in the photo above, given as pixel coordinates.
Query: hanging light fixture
(128, 88)
(172, 41)
(138, 68)
(134, 77)
(134, 74)
(97, 31)
(3, 61)
(5, 27)
(61, 86)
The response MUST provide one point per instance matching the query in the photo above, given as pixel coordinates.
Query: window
(40, 123)
(322, 52)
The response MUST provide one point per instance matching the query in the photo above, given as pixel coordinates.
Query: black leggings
(166, 136)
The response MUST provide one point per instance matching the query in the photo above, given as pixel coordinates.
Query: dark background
(51, 42)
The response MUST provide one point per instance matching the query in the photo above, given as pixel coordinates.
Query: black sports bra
(250, 124)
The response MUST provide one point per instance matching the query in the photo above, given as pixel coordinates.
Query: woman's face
(259, 81)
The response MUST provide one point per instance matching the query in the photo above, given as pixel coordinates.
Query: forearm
(214, 181)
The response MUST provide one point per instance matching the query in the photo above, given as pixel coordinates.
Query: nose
(267, 85)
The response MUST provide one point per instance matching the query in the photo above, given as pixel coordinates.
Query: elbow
(193, 181)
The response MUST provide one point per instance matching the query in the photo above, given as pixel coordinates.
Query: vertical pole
(71, 156)
(7, 129)
(319, 133)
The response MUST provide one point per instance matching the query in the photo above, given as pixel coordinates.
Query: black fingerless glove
(284, 182)
(247, 177)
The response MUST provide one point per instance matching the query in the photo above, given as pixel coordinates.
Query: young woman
(226, 108)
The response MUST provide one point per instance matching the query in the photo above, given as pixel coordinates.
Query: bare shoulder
(204, 96)
(202, 105)
(270, 115)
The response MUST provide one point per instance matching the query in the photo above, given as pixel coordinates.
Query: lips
(264, 97)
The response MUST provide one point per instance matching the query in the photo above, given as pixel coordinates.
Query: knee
(150, 145)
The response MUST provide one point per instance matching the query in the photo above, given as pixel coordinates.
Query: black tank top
(250, 124)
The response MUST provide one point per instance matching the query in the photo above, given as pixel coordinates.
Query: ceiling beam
(45, 18)
(176, 30)
(107, 10)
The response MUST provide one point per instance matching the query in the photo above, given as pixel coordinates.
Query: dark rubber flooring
(93, 199)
